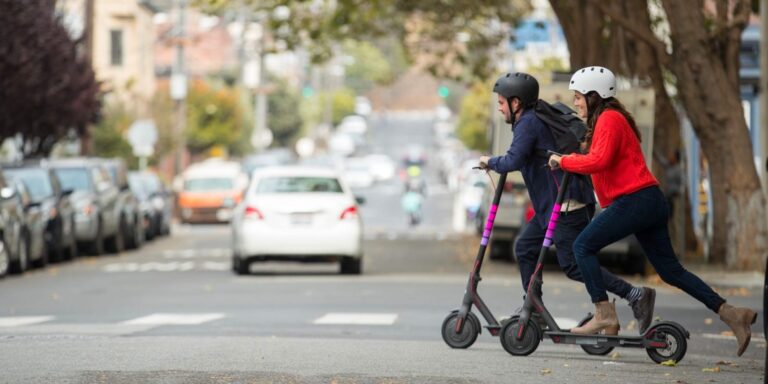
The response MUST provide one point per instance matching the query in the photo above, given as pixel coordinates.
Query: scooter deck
(605, 340)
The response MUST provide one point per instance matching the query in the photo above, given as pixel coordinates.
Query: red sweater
(615, 160)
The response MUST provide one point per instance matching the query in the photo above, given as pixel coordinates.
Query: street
(173, 312)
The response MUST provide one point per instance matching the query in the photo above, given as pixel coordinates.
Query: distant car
(357, 173)
(14, 243)
(271, 157)
(44, 188)
(381, 166)
(156, 202)
(298, 214)
(34, 221)
(130, 223)
(210, 190)
(97, 213)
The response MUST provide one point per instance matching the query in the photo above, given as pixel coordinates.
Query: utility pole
(179, 89)
(260, 129)
(86, 142)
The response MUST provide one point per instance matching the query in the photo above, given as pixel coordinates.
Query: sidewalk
(718, 277)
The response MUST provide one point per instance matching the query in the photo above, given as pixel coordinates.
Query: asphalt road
(173, 312)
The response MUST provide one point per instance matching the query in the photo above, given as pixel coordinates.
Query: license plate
(224, 214)
(301, 218)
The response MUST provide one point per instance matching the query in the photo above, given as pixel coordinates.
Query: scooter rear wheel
(676, 343)
(528, 341)
(592, 350)
(468, 334)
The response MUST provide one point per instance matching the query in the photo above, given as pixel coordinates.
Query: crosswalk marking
(17, 321)
(175, 319)
(357, 319)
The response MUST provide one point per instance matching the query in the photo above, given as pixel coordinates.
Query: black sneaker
(642, 308)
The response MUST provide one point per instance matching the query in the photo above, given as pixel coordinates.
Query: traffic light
(443, 91)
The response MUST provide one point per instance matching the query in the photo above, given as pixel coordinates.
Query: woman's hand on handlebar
(554, 161)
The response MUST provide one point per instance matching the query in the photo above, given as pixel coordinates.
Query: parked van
(208, 191)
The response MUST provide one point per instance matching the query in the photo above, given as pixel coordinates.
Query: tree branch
(645, 35)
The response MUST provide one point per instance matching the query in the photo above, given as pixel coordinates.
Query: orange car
(210, 190)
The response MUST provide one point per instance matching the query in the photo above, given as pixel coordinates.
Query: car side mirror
(360, 200)
(67, 192)
(7, 193)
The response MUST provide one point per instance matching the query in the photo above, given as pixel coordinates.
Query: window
(298, 185)
(116, 46)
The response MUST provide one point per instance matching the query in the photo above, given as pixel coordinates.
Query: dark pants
(643, 213)
(569, 225)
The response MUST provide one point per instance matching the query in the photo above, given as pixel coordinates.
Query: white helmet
(598, 79)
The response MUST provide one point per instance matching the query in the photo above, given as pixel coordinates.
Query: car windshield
(298, 185)
(209, 184)
(75, 179)
(35, 180)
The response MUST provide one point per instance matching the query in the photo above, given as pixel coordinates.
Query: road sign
(142, 135)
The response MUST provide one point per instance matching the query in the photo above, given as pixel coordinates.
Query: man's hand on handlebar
(484, 162)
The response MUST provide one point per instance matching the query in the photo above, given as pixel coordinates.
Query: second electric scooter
(520, 335)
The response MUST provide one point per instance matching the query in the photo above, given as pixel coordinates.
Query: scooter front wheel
(468, 334)
(676, 343)
(590, 349)
(528, 341)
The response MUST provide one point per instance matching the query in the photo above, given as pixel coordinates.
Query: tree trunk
(713, 103)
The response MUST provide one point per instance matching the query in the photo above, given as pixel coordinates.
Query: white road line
(357, 319)
(175, 319)
(17, 321)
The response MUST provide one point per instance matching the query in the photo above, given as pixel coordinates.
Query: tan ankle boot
(605, 319)
(740, 321)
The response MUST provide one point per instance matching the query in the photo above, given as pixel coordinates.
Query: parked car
(209, 191)
(14, 257)
(34, 221)
(44, 188)
(94, 197)
(156, 202)
(297, 214)
(130, 223)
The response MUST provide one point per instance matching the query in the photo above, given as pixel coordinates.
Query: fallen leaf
(713, 370)
(727, 333)
(657, 318)
(730, 363)
(566, 365)
(669, 363)
(545, 371)
(631, 326)
(615, 356)
(612, 363)
(708, 321)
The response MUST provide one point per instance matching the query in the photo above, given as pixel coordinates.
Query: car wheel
(351, 265)
(43, 260)
(117, 242)
(5, 260)
(22, 262)
(97, 247)
(500, 250)
(240, 266)
(72, 253)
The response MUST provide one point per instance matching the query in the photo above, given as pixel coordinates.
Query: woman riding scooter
(633, 204)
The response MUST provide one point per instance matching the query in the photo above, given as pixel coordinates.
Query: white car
(357, 173)
(297, 213)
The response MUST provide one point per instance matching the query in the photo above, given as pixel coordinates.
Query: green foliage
(475, 117)
(463, 33)
(313, 109)
(214, 119)
(109, 134)
(284, 121)
(368, 66)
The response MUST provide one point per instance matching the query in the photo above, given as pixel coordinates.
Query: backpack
(566, 127)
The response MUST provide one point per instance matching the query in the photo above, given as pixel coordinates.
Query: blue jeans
(643, 213)
(569, 225)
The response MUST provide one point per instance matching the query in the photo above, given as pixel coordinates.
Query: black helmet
(520, 85)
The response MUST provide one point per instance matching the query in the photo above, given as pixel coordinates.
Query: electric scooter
(461, 326)
(520, 336)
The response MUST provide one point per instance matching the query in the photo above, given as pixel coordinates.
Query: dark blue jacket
(531, 135)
